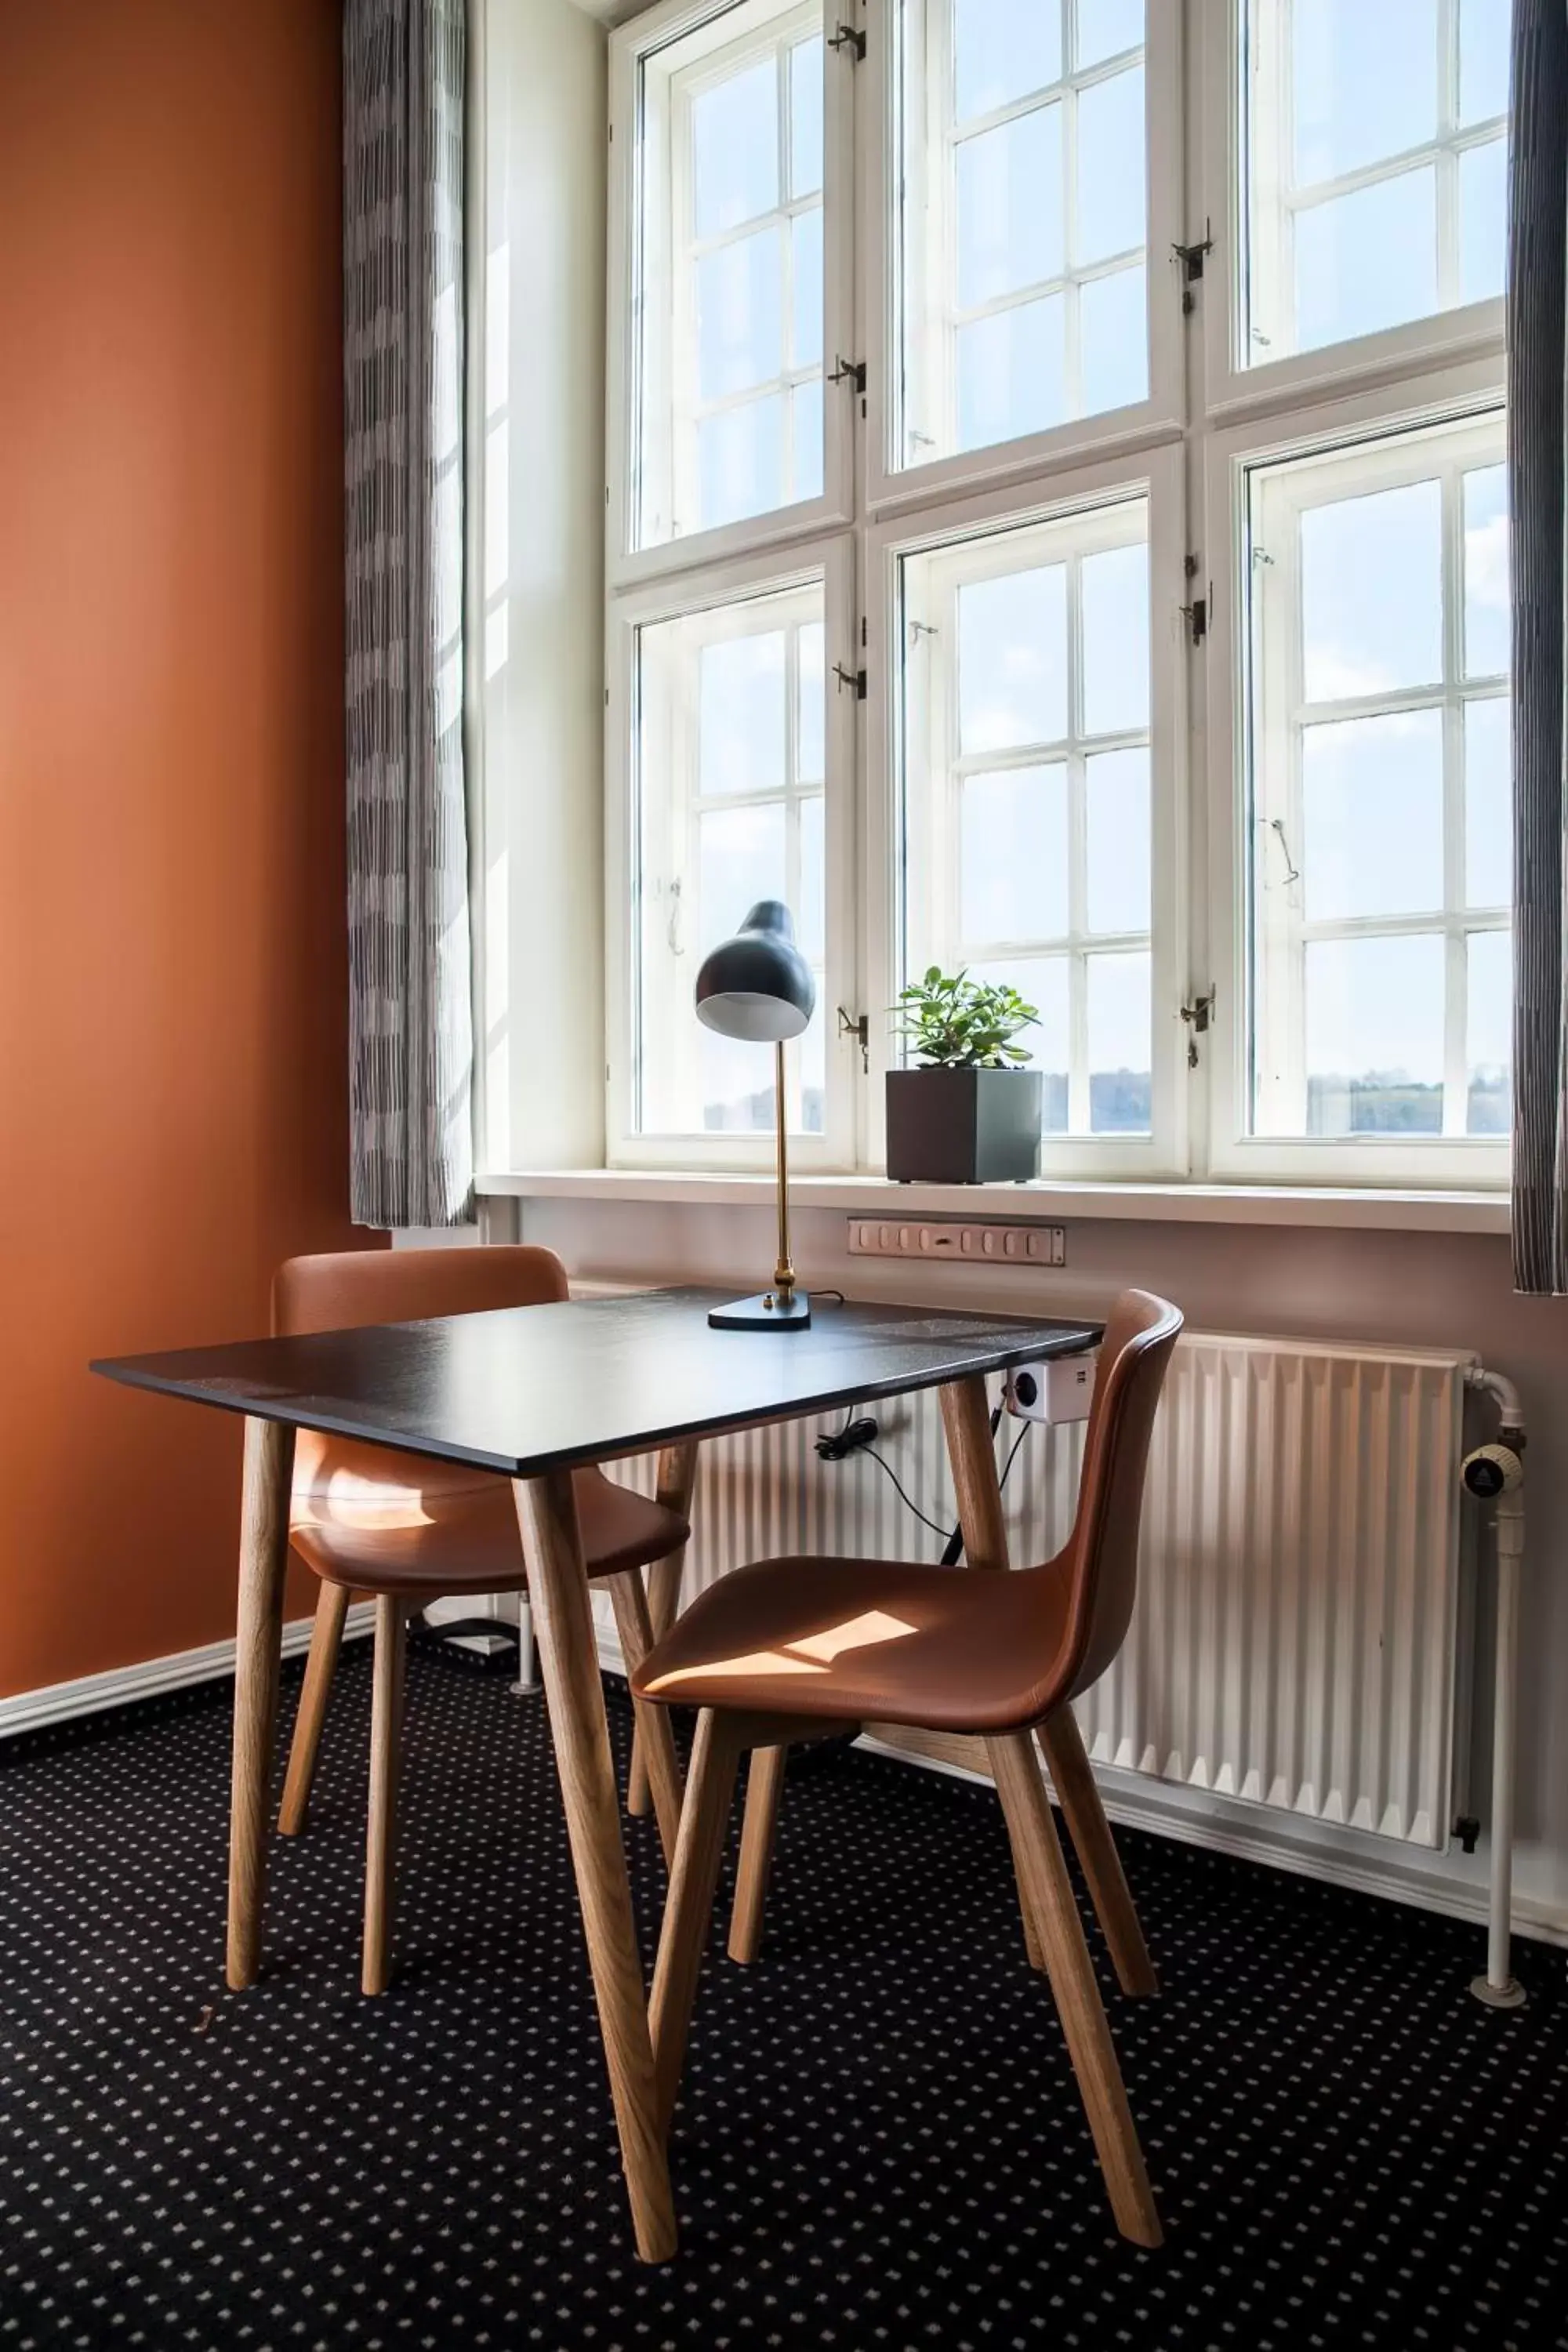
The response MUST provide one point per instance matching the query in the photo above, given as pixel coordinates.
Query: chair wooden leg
(569, 1666)
(676, 1482)
(258, 1632)
(326, 1640)
(971, 1451)
(1050, 1898)
(1073, 1775)
(689, 1909)
(650, 1723)
(765, 1788)
(381, 1821)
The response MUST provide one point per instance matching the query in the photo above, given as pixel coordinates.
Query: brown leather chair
(411, 1530)
(792, 1649)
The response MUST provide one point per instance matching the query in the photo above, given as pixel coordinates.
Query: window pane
(1010, 373)
(1010, 207)
(1106, 28)
(1116, 641)
(1003, 50)
(1372, 795)
(1367, 261)
(727, 273)
(805, 426)
(1483, 220)
(740, 716)
(811, 721)
(1483, 58)
(1487, 620)
(1110, 143)
(806, 117)
(734, 148)
(1116, 790)
(1372, 592)
(1368, 204)
(1113, 327)
(1012, 660)
(726, 815)
(1009, 323)
(1489, 804)
(1013, 858)
(739, 315)
(1042, 982)
(1118, 1033)
(1489, 1054)
(740, 859)
(1364, 81)
(740, 453)
(1374, 1036)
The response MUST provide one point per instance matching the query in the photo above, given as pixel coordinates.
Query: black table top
(527, 1389)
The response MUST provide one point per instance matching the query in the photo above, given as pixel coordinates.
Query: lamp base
(766, 1312)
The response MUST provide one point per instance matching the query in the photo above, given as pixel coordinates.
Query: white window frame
(891, 487)
(831, 565)
(1234, 385)
(1157, 476)
(627, 563)
(1235, 1155)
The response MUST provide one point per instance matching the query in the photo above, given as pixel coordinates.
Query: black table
(532, 1393)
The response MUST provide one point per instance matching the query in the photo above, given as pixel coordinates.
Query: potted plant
(966, 1114)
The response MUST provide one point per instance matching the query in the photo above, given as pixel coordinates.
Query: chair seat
(944, 1649)
(403, 1539)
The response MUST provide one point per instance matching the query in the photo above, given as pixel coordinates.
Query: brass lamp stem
(784, 1273)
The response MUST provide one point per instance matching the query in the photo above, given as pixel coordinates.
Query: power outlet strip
(974, 1244)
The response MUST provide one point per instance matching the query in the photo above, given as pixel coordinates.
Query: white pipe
(1499, 1988)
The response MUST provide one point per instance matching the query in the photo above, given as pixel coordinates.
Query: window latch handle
(848, 37)
(1197, 1016)
(860, 1029)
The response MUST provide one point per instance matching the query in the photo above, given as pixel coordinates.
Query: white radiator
(1294, 1641)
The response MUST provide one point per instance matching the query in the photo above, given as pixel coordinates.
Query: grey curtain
(410, 1042)
(1537, 362)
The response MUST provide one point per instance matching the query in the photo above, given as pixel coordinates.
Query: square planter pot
(963, 1126)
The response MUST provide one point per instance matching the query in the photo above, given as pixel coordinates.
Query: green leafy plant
(959, 1024)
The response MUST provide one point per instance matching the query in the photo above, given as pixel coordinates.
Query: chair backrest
(1102, 1555)
(346, 1289)
(376, 1485)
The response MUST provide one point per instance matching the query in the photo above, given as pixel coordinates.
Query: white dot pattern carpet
(879, 2144)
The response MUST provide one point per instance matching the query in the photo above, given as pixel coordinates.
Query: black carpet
(879, 2144)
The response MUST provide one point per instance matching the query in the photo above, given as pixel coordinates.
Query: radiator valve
(1491, 1471)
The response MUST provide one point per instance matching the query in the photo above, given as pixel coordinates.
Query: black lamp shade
(758, 985)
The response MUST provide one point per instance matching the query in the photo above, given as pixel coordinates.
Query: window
(1377, 765)
(1376, 162)
(1016, 573)
(1026, 801)
(1022, 225)
(726, 271)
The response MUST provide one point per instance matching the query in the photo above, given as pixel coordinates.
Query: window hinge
(849, 372)
(1197, 1016)
(846, 36)
(1191, 258)
(854, 678)
(860, 1029)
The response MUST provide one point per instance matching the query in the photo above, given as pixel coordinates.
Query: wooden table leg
(569, 1666)
(263, 1554)
(676, 1485)
(971, 1450)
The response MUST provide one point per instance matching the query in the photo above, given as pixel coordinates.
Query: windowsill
(1041, 1201)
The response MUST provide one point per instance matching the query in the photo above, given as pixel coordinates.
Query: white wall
(537, 506)
(1410, 1289)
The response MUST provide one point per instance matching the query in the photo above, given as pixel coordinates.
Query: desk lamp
(758, 985)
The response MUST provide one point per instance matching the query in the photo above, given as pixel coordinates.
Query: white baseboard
(91, 1693)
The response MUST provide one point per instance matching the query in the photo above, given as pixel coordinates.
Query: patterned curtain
(411, 1040)
(1538, 359)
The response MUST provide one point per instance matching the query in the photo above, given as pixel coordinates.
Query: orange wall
(172, 1094)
